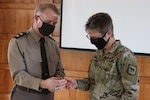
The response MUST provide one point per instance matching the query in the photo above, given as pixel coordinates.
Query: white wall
(131, 19)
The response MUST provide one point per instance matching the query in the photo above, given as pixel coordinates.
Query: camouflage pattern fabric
(113, 75)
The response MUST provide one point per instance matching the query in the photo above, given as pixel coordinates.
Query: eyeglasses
(88, 36)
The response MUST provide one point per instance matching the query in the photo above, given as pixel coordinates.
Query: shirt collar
(34, 35)
(114, 46)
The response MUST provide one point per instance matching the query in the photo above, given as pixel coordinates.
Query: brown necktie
(45, 72)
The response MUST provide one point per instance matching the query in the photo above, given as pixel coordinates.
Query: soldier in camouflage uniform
(113, 72)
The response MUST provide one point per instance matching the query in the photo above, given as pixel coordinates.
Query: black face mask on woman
(100, 43)
(46, 29)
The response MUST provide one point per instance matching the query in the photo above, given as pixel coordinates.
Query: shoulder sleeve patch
(20, 35)
(131, 69)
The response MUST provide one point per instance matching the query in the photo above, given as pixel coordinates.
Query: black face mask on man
(46, 29)
(100, 43)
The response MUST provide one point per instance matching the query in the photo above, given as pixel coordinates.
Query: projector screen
(131, 20)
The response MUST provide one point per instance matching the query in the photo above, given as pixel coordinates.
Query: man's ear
(36, 17)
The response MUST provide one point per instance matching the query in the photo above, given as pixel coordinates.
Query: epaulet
(51, 38)
(20, 35)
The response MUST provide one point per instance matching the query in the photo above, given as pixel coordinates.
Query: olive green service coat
(24, 58)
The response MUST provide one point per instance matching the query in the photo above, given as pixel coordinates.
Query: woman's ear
(110, 33)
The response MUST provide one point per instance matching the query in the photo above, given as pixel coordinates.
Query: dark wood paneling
(76, 60)
(3, 51)
(144, 92)
(57, 1)
(17, 6)
(5, 81)
(16, 16)
(4, 96)
(17, 1)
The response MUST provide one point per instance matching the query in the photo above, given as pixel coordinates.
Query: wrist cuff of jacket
(77, 84)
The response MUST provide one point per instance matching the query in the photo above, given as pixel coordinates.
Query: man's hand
(53, 84)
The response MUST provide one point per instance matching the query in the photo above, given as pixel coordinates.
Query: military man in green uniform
(34, 58)
(113, 71)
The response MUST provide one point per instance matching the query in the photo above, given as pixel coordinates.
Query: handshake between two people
(57, 84)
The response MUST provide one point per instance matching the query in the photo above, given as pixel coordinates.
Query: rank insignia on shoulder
(131, 69)
(20, 35)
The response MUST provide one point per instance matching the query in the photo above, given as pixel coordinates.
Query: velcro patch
(131, 69)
